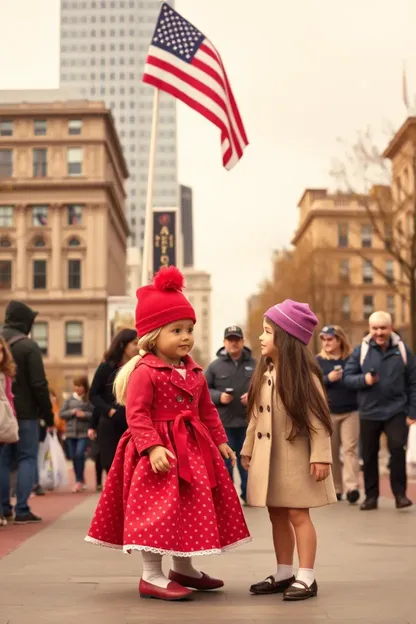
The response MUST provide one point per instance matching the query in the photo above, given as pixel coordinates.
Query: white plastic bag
(411, 445)
(53, 471)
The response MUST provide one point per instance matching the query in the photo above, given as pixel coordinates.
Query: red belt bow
(203, 440)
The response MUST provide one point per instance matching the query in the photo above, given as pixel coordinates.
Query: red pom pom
(169, 278)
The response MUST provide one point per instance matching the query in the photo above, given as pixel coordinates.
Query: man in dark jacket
(228, 380)
(383, 372)
(32, 402)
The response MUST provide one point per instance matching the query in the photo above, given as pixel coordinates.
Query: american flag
(184, 63)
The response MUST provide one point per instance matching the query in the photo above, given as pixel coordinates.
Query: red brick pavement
(49, 507)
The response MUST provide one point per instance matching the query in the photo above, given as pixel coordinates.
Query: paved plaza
(365, 570)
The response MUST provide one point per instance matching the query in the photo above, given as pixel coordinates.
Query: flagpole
(147, 260)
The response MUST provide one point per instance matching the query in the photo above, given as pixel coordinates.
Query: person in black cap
(228, 380)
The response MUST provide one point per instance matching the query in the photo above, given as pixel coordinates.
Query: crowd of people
(297, 427)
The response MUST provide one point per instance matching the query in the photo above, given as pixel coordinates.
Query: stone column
(20, 217)
(56, 244)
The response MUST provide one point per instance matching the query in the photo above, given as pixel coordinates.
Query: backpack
(365, 347)
(9, 428)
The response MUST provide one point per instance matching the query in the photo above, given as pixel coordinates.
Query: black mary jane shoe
(271, 586)
(300, 593)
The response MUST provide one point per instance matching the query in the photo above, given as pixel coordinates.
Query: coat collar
(186, 385)
(394, 340)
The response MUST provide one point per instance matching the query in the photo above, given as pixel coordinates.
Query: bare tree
(390, 204)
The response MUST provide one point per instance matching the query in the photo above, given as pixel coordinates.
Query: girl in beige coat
(287, 450)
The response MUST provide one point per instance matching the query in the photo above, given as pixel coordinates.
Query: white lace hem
(128, 548)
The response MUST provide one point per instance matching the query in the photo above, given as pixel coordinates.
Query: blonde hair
(146, 344)
(345, 346)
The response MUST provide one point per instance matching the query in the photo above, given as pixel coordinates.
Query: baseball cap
(328, 330)
(233, 330)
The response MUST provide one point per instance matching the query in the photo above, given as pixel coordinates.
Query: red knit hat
(162, 302)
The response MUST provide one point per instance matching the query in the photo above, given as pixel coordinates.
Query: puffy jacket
(77, 427)
(30, 387)
(224, 373)
(395, 392)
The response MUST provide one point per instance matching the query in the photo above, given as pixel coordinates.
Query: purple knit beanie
(297, 319)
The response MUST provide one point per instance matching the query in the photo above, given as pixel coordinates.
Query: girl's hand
(228, 453)
(158, 456)
(245, 461)
(320, 471)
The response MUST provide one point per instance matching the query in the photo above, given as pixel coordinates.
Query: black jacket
(341, 399)
(223, 373)
(110, 429)
(395, 392)
(30, 387)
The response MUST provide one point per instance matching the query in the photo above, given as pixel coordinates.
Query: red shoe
(173, 591)
(204, 583)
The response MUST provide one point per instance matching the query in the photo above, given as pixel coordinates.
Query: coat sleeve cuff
(145, 442)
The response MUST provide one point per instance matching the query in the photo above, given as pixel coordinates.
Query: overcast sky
(303, 72)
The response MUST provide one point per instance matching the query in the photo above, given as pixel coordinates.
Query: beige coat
(279, 473)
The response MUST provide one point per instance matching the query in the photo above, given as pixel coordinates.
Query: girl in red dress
(168, 491)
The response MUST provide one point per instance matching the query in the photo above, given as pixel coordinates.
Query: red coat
(191, 510)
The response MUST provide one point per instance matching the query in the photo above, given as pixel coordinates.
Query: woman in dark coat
(109, 419)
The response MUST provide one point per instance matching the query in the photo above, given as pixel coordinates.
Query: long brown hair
(297, 374)
(344, 345)
(82, 380)
(7, 366)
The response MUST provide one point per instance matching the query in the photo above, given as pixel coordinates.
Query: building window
(39, 334)
(40, 127)
(74, 242)
(390, 305)
(39, 274)
(342, 234)
(387, 236)
(40, 163)
(6, 163)
(5, 242)
(5, 274)
(74, 274)
(73, 338)
(368, 276)
(75, 214)
(39, 216)
(345, 307)
(390, 270)
(366, 235)
(368, 306)
(6, 216)
(74, 159)
(6, 128)
(344, 271)
(74, 126)
(39, 242)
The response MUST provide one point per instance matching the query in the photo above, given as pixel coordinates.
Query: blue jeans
(236, 437)
(77, 448)
(27, 458)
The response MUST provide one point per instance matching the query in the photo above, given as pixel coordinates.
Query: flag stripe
(159, 83)
(209, 49)
(200, 81)
(211, 67)
(163, 69)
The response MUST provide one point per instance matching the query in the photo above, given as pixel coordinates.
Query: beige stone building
(198, 291)
(353, 261)
(62, 226)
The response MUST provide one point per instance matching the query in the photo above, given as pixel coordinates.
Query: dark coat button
(268, 408)
(269, 436)
(261, 409)
(270, 382)
(259, 435)
(179, 398)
